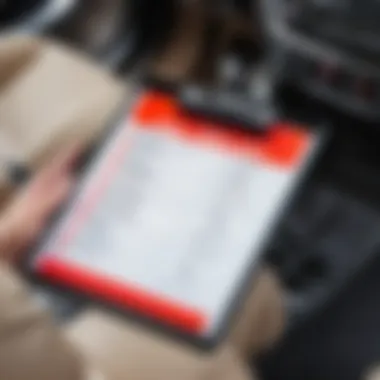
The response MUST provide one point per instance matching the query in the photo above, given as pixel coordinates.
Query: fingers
(67, 158)
(29, 213)
(62, 164)
(49, 187)
(42, 205)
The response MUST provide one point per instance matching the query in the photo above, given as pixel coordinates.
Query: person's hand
(23, 221)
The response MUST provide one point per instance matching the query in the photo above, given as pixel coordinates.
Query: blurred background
(315, 62)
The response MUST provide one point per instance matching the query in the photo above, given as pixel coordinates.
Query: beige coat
(98, 345)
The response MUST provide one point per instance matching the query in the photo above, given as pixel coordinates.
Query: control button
(309, 66)
(294, 66)
(328, 72)
(364, 88)
(299, 67)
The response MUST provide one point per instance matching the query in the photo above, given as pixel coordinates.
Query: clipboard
(172, 216)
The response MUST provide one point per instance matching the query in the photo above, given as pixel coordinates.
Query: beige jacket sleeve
(31, 348)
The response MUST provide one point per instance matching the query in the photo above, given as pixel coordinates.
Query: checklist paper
(172, 214)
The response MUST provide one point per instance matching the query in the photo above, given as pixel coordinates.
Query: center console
(323, 56)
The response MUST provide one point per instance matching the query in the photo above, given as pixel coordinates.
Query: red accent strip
(283, 146)
(122, 294)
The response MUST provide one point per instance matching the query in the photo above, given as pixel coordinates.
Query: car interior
(249, 63)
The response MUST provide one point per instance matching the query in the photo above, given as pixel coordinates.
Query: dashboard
(329, 49)
(348, 24)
